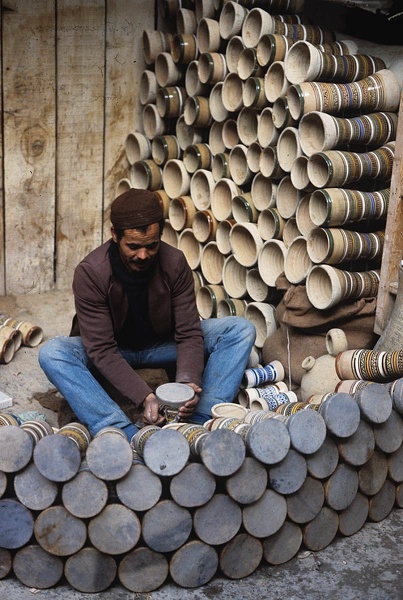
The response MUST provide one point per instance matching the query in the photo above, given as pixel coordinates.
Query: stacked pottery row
(270, 145)
(14, 333)
(247, 488)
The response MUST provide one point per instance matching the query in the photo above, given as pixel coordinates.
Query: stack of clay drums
(185, 502)
(271, 148)
(14, 333)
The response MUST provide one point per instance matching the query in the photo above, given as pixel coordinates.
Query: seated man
(135, 308)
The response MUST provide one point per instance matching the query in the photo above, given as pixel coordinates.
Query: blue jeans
(227, 345)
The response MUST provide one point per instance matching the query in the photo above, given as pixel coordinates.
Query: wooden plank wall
(70, 73)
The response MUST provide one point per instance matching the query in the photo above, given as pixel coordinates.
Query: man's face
(138, 249)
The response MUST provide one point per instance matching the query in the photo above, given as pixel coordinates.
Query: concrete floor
(366, 566)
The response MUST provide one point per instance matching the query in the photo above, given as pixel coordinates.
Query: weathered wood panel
(124, 66)
(2, 270)
(28, 39)
(80, 132)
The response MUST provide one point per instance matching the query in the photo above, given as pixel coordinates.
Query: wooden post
(90, 571)
(34, 490)
(194, 564)
(143, 570)
(241, 556)
(140, 489)
(217, 521)
(115, 530)
(36, 568)
(193, 486)
(248, 484)
(166, 526)
(304, 504)
(59, 532)
(265, 516)
(16, 524)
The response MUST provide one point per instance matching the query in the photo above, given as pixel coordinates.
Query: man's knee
(50, 351)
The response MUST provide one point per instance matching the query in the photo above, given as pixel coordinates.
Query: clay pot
(167, 71)
(253, 95)
(231, 19)
(184, 48)
(220, 165)
(305, 62)
(9, 333)
(164, 201)
(234, 278)
(221, 200)
(336, 206)
(175, 178)
(211, 68)
(238, 165)
(264, 192)
(263, 317)
(148, 87)
(201, 188)
(197, 111)
(271, 261)
(246, 243)
(267, 134)
(299, 174)
(197, 156)
(169, 235)
(208, 35)
(231, 307)
(187, 134)
(215, 139)
(302, 31)
(170, 101)
(288, 148)
(269, 164)
(326, 286)
(208, 298)
(181, 212)
(137, 147)
(335, 246)
(257, 23)
(270, 224)
(256, 288)
(230, 136)
(32, 335)
(290, 231)
(378, 92)
(297, 262)
(232, 92)
(153, 123)
(164, 148)
(281, 114)
(247, 125)
(193, 85)
(204, 226)
(7, 350)
(273, 47)
(288, 198)
(146, 175)
(186, 21)
(222, 235)
(217, 109)
(204, 9)
(123, 185)
(248, 65)
(232, 53)
(191, 248)
(319, 132)
(303, 217)
(253, 154)
(275, 81)
(212, 263)
(153, 43)
(243, 209)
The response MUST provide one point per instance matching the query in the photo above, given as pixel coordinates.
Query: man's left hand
(187, 409)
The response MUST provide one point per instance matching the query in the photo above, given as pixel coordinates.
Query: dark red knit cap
(135, 208)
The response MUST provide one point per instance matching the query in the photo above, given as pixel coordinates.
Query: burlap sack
(302, 328)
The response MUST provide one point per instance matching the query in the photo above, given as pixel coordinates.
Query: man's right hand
(150, 414)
